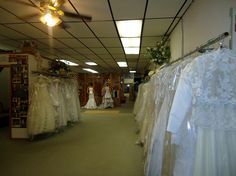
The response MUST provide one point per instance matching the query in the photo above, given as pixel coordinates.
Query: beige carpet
(103, 144)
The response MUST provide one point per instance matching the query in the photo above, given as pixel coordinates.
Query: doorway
(5, 90)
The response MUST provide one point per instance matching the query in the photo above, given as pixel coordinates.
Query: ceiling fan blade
(29, 16)
(75, 15)
(63, 25)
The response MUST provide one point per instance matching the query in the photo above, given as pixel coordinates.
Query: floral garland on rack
(159, 54)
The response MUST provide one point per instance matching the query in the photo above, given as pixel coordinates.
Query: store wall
(204, 20)
(176, 42)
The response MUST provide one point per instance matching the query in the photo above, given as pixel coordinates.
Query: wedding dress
(41, 112)
(202, 118)
(137, 104)
(91, 103)
(159, 141)
(107, 100)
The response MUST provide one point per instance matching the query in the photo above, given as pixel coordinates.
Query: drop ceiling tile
(111, 42)
(9, 45)
(7, 17)
(103, 28)
(115, 50)
(52, 43)
(104, 55)
(132, 56)
(79, 29)
(99, 10)
(28, 30)
(56, 31)
(100, 51)
(84, 50)
(69, 51)
(21, 11)
(71, 42)
(126, 7)
(78, 57)
(10, 33)
(91, 56)
(163, 8)
(91, 42)
(119, 56)
(3, 37)
(156, 27)
(150, 41)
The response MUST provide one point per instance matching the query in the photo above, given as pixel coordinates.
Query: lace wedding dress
(107, 100)
(41, 112)
(202, 118)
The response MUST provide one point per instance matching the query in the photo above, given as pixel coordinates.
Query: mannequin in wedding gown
(107, 101)
(91, 103)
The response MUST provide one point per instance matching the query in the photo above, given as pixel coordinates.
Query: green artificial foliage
(58, 67)
(159, 54)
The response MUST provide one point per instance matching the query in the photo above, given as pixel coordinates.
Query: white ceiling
(97, 40)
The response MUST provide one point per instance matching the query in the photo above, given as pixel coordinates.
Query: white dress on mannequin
(91, 104)
(202, 119)
(107, 100)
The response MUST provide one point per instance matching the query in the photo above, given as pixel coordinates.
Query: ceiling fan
(51, 11)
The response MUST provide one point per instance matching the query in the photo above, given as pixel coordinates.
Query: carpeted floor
(103, 144)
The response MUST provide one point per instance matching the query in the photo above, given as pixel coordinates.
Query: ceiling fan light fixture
(50, 20)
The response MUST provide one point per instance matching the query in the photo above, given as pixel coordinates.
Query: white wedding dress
(91, 103)
(41, 112)
(203, 117)
(107, 100)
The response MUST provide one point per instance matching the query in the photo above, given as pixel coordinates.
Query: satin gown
(91, 103)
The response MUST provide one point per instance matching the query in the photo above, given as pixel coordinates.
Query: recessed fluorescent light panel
(130, 42)
(90, 63)
(129, 28)
(130, 32)
(90, 70)
(122, 64)
(132, 71)
(131, 50)
(69, 63)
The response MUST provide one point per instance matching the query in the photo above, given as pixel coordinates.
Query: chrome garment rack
(201, 48)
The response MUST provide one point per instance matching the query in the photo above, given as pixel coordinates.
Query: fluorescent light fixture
(122, 64)
(69, 63)
(90, 70)
(132, 71)
(129, 28)
(131, 50)
(130, 42)
(90, 63)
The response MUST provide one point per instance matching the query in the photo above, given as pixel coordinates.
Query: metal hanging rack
(201, 48)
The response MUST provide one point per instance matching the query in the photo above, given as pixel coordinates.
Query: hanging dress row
(190, 129)
(54, 103)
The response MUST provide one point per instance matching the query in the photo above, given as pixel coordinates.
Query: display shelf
(19, 92)
(50, 74)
